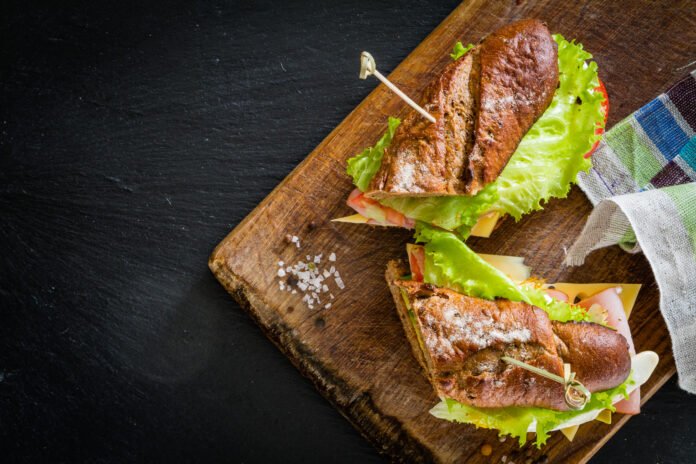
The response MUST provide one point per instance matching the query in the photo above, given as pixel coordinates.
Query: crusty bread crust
(519, 76)
(424, 158)
(395, 271)
(599, 356)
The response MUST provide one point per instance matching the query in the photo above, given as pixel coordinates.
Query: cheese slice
(485, 225)
(513, 266)
(483, 228)
(570, 432)
(604, 416)
(353, 219)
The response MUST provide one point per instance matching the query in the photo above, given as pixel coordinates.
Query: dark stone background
(133, 138)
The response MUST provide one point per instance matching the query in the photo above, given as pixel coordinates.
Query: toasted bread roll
(459, 341)
(483, 103)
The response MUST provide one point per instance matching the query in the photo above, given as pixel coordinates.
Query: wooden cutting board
(355, 352)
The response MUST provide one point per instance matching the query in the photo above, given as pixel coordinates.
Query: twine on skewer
(576, 395)
(368, 67)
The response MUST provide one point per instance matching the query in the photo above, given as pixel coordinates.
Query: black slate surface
(132, 139)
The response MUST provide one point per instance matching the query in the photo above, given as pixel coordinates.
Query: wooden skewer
(576, 395)
(368, 67)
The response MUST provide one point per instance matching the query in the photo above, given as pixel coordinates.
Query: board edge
(384, 432)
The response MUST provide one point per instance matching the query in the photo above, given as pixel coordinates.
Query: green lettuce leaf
(452, 213)
(460, 50)
(363, 167)
(551, 154)
(515, 421)
(450, 263)
(546, 161)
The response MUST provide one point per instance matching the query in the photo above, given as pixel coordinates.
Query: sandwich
(468, 317)
(516, 117)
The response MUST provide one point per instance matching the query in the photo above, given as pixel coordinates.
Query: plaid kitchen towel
(643, 186)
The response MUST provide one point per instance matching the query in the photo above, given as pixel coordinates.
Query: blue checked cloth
(642, 184)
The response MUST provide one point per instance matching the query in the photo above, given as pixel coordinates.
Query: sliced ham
(616, 317)
(557, 294)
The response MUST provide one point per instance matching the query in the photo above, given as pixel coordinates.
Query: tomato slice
(377, 213)
(416, 261)
(605, 109)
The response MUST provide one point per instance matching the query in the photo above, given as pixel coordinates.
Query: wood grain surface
(355, 352)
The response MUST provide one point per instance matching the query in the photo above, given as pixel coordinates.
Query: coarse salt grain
(308, 279)
(482, 332)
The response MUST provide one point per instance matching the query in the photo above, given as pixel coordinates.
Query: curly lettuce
(545, 164)
(363, 167)
(460, 50)
(515, 421)
(550, 156)
(450, 263)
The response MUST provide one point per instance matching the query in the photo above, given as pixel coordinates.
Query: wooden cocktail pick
(368, 67)
(576, 395)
